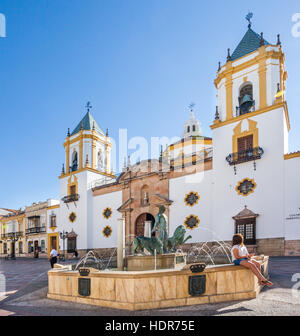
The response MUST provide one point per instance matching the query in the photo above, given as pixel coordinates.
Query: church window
(188, 129)
(191, 198)
(194, 128)
(247, 228)
(107, 213)
(100, 160)
(246, 187)
(191, 222)
(71, 244)
(73, 190)
(53, 221)
(107, 231)
(74, 166)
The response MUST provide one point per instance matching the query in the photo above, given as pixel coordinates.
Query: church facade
(242, 180)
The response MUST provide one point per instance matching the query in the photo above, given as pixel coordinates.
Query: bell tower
(250, 135)
(88, 148)
(88, 160)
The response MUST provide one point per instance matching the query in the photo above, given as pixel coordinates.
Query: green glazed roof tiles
(249, 43)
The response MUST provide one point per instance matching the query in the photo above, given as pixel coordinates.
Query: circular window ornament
(107, 213)
(191, 222)
(72, 217)
(245, 187)
(191, 198)
(107, 231)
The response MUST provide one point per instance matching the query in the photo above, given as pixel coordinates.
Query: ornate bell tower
(250, 134)
(88, 159)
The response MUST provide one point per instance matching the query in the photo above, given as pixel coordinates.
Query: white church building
(243, 179)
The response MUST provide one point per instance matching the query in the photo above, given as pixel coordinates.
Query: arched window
(188, 129)
(194, 128)
(246, 101)
(100, 160)
(74, 161)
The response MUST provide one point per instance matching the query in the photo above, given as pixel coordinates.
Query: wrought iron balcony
(70, 198)
(12, 235)
(245, 156)
(37, 229)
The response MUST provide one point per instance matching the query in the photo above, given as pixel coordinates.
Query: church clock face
(245, 187)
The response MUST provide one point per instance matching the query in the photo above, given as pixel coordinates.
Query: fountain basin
(154, 289)
(151, 262)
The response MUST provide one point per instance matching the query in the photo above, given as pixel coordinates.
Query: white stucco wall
(292, 199)
(100, 203)
(179, 211)
(268, 198)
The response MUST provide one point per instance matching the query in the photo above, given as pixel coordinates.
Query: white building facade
(243, 179)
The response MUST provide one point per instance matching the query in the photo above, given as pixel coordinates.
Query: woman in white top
(240, 256)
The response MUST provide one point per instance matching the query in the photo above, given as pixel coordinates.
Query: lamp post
(14, 238)
(63, 235)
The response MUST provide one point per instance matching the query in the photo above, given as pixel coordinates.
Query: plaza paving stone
(26, 290)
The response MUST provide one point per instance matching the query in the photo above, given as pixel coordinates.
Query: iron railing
(245, 156)
(70, 198)
(12, 235)
(36, 230)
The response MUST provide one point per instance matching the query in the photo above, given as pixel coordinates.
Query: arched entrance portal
(140, 223)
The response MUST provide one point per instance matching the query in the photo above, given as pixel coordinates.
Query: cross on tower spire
(88, 106)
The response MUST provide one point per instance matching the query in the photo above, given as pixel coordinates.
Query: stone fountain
(156, 275)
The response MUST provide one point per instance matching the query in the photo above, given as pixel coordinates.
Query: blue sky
(140, 63)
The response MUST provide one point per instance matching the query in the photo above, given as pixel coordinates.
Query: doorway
(140, 223)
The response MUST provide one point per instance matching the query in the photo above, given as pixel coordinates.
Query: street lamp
(14, 238)
(63, 235)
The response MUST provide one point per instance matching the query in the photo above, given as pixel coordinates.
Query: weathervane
(88, 106)
(191, 106)
(248, 18)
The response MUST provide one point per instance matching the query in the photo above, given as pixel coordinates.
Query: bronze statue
(161, 226)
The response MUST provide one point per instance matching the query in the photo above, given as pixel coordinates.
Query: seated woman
(240, 256)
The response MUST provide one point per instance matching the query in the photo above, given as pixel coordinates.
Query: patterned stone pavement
(26, 289)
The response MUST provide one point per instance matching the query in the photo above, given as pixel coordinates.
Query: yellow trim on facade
(237, 134)
(254, 61)
(255, 113)
(292, 155)
(262, 75)
(10, 218)
(72, 184)
(189, 142)
(94, 154)
(53, 207)
(228, 87)
(241, 182)
(49, 247)
(92, 136)
(84, 169)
